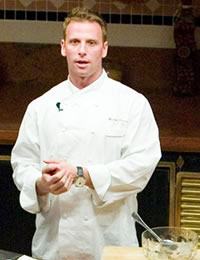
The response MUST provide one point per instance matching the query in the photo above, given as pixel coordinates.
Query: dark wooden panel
(16, 225)
(156, 204)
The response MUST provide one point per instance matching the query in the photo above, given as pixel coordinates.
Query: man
(85, 149)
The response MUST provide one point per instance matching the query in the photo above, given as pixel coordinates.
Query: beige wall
(123, 35)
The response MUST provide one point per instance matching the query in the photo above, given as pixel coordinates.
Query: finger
(51, 161)
(52, 177)
(70, 182)
(50, 169)
(58, 183)
(66, 187)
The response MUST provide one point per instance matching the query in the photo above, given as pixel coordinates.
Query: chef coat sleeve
(25, 160)
(140, 154)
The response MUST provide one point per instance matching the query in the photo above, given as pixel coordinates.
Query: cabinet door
(188, 201)
(156, 201)
(16, 225)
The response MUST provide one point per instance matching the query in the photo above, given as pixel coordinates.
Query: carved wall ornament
(185, 56)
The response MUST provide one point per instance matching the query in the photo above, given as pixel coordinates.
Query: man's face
(84, 49)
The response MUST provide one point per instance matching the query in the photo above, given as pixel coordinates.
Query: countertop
(8, 255)
(128, 253)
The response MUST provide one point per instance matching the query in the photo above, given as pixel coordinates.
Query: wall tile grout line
(110, 18)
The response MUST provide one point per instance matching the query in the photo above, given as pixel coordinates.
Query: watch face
(80, 181)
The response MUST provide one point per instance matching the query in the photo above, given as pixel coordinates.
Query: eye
(74, 41)
(92, 43)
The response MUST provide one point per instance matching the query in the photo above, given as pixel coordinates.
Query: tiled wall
(158, 12)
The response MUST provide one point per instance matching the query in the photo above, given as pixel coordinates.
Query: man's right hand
(57, 177)
(44, 183)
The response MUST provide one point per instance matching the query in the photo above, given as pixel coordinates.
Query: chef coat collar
(94, 85)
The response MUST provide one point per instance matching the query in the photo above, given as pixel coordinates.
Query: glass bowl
(184, 246)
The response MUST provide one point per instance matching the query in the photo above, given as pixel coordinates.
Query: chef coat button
(86, 218)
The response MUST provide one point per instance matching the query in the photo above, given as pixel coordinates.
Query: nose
(82, 49)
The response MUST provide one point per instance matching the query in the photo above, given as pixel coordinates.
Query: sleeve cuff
(101, 180)
(29, 200)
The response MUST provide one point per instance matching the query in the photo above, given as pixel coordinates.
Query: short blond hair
(80, 14)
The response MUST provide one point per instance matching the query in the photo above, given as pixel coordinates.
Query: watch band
(79, 171)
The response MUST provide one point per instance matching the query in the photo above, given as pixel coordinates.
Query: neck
(82, 82)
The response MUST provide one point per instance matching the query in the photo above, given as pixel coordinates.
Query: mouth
(82, 62)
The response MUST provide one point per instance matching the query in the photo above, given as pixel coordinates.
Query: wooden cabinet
(188, 200)
(161, 202)
(16, 225)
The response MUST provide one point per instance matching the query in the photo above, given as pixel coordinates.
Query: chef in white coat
(85, 149)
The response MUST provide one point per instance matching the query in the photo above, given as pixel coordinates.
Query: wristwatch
(80, 179)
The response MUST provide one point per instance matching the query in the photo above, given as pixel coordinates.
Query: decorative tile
(120, 5)
(153, 5)
(65, 7)
(19, 5)
(1, 5)
(169, 10)
(26, 3)
(136, 9)
(159, 11)
(40, 5)
(10, 5)
(127, 10)
(146, 10)
(120, 11)
(89, 3)
(31, 7)
(57, 3)
(103, 7)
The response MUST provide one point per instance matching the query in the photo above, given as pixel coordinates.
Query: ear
(62, 45)
(105, 49)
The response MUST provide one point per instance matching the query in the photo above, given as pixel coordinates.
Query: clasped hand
(57, 177)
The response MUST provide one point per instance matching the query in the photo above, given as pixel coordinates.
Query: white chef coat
(106, 127)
